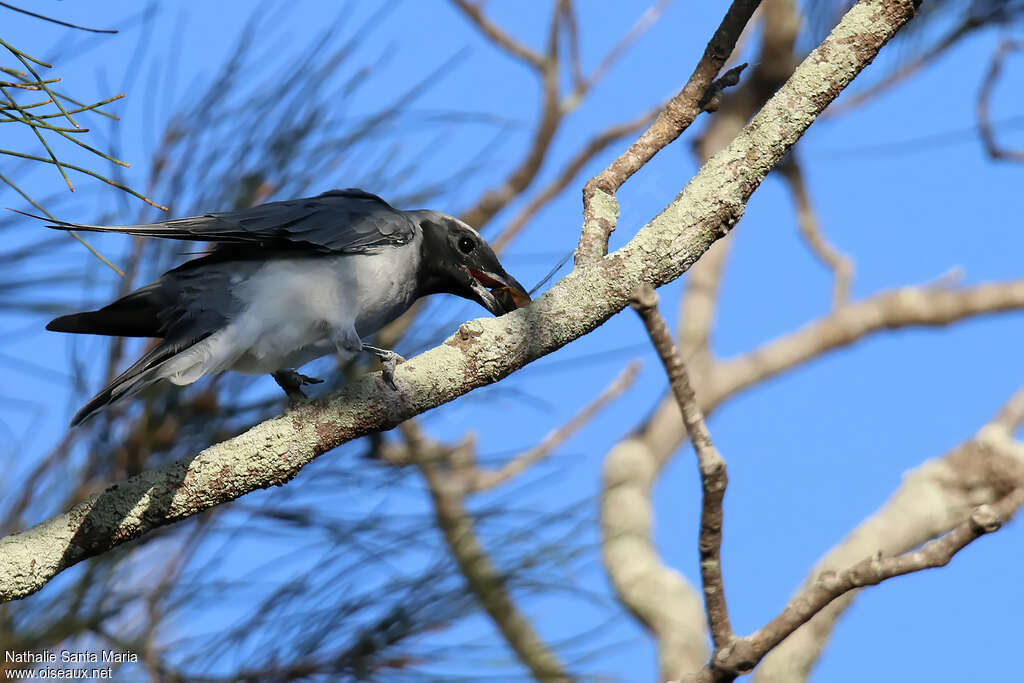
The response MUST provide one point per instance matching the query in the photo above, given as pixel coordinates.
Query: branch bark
(713, 477)
(482, 351)
(600, 208)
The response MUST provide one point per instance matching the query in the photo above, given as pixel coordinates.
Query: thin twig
(42, 141)
(595, 146)
(807, 220)
(548, 121)
(713, 476)
(480, 480)
(983, 106)
(86, 171)
(56, 21)
(583, 84)
(25, 59)
(497, 35)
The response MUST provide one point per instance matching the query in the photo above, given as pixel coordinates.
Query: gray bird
(288, 282)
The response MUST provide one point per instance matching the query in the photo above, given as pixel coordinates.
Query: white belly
(300, 306)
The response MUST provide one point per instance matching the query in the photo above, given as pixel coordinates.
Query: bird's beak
(504, 295)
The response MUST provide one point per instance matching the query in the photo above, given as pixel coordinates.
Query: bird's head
(457, 260)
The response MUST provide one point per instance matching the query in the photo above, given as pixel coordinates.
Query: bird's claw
(387, 368)
(292, 382)
(388, 361)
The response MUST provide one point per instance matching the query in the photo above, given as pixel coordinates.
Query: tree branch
(871, 571)
(904, 307)
(713, 477)
(484, 580)
(807, 221)
(548, 121)
(988, 136)
(600, 208)
(482, 351)
(482, 479)
(498, 36)
(933, 499)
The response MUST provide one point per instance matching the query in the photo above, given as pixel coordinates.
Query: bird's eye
(466, 245)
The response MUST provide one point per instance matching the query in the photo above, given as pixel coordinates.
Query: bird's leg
(348, 341)
(292, 381)
(388, 360)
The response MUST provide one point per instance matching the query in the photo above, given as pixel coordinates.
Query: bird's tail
(147, 370)
(133, 315)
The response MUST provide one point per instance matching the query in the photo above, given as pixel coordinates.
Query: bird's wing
(342, 221)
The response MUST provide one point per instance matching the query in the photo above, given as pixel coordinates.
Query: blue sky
(902, 185)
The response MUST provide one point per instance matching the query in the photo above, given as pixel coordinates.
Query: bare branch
(985, 127)
(933, 499)
(484, 579)
(807, 220)
(985, 519)
(584, 84)
(572, 37)
(480, 480)
(548, 121)
(472, 478)
(497, 36)
(600, 208)
(905, 307)
(595, 146)
(713, 477)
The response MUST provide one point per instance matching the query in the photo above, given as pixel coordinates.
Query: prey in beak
(505, 293)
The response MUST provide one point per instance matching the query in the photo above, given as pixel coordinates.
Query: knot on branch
(985, 519)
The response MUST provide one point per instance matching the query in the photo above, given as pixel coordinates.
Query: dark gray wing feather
(340, 221)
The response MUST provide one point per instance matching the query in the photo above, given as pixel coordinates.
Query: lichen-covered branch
(482, 351)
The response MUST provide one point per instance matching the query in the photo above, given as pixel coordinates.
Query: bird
(286, 282)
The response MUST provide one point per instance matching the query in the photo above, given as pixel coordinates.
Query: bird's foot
(292, 381)
(388, 360)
